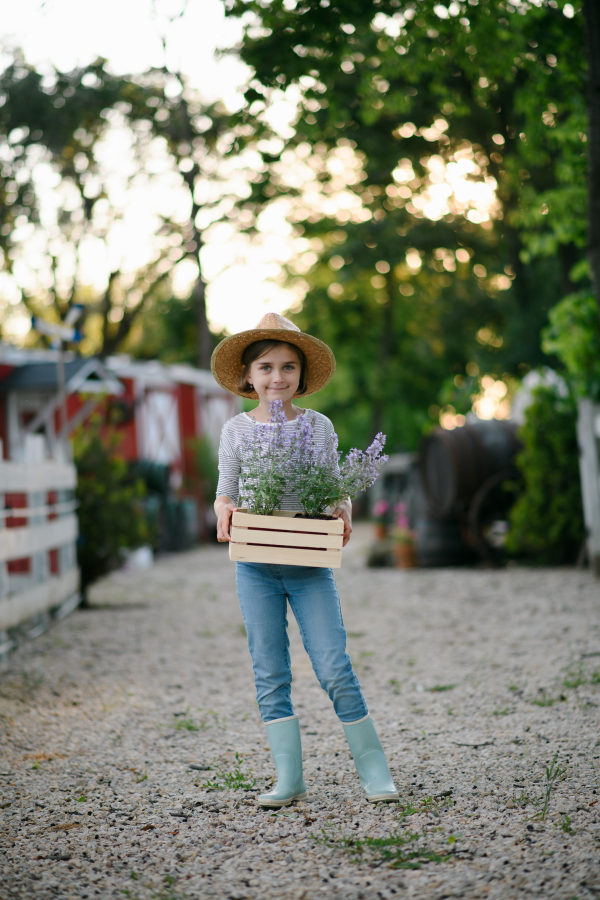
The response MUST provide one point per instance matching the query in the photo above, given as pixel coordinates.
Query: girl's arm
(224, 508)
(343, 511)
(228, 486)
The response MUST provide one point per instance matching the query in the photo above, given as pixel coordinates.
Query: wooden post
(588, 428)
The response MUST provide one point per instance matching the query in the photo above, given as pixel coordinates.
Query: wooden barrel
(438, 542)
(454, 464)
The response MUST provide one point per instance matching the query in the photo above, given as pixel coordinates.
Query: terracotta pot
(380, 531)
(404, 554)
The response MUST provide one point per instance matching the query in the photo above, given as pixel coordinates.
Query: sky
(66, 33)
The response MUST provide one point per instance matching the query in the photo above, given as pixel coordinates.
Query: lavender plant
(266, 452)
(279, 461)
(322, 478)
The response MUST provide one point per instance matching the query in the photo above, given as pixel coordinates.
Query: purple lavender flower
(280, 460)
(266, 452)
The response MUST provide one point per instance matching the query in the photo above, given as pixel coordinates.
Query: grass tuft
(554, 774)
(397, 851)
(578, 675)
(565, 826)
(237, 780)
(431, 805)
(184, 721)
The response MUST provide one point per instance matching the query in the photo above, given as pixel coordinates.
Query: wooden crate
(282, 539)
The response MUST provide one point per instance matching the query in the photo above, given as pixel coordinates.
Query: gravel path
(114, 724)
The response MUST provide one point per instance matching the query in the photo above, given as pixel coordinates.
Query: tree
(57, 195)
(199, 139)
(420, 93)
(592, 35)
(78, 148)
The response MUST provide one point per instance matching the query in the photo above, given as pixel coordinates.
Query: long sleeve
(229, 466)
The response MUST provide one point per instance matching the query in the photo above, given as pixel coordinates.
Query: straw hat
(226, 361)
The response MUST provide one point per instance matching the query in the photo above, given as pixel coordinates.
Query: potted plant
(279, 461)
(404, 540)
(380, 518)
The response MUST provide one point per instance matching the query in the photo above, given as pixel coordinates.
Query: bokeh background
(405, 180)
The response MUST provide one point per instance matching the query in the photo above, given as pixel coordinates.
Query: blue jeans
(263, 592)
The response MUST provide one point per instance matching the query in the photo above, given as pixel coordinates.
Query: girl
(276, 361)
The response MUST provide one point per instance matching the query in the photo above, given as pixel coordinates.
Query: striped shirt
(231, 463)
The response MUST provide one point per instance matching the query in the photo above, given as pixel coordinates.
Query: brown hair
(259, 348)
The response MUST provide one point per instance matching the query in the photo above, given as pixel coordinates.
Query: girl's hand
(224, 511)
(341, 512)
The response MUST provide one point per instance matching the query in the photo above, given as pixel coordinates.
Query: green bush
(110, 511)
(546, 522)
(206, 466)
(574, 336)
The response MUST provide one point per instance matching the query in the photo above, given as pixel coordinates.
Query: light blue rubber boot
(369, 760)
(286, 749)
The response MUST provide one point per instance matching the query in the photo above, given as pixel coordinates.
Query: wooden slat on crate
(286, 523)
(286, 538)
(285, 556)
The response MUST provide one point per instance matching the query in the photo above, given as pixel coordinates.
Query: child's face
(276, 374)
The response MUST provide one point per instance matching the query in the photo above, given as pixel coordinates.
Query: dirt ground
(131, 750)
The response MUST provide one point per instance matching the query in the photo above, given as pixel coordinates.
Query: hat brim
(226, 360)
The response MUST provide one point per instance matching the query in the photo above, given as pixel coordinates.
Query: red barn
(157, 410)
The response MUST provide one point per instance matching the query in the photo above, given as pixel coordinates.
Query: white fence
(38, 531)
(588, 437)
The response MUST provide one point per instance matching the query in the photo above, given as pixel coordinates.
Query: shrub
(574, 336)
(207, 468)
(546, 522)
(110, 512)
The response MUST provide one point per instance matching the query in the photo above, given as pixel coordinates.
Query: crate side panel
(286, 556)
(286, 538)
(281, 523)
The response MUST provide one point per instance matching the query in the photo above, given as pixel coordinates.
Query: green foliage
(487, 69)
(110, 513)
(59, 119)
(574, 336)
(546, 522)
(167, 331)
(412, 83)
(207, 466)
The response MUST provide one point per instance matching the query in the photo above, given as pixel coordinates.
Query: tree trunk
(205, 341)
(591, 11)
